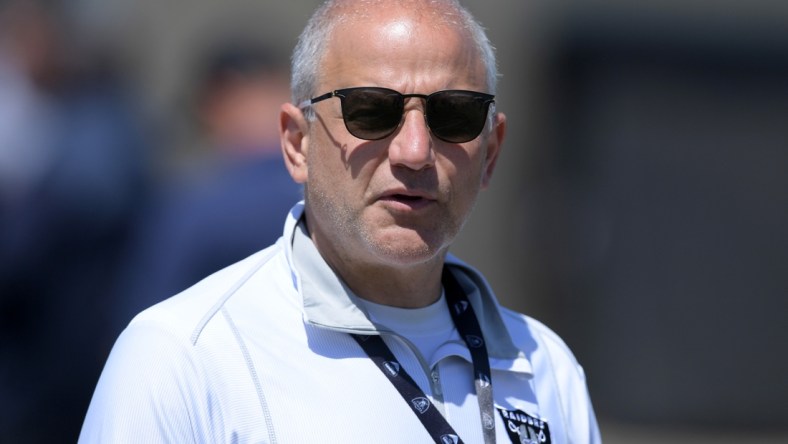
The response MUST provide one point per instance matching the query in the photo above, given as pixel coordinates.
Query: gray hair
(312, 43)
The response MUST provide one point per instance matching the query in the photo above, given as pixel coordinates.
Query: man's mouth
(406, 201)
(406, 198)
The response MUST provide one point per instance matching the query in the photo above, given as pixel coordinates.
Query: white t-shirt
(427, 328)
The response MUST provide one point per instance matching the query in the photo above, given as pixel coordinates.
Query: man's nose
(412, 143)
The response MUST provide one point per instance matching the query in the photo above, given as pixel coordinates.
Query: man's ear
(494, 144)
(294, 135)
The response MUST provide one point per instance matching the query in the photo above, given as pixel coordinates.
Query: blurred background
(640, 208)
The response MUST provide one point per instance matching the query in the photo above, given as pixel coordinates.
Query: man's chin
(407, 248)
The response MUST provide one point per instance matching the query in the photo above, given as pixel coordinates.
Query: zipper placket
(433, 375)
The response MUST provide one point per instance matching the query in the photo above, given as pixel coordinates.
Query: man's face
(399, 201)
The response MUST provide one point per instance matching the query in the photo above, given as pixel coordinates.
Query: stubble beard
(358, 235)
(344, 226)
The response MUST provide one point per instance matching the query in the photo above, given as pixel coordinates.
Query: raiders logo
(450, 439)
(524, 428)
(474, 341)
(421, 404)
(392, 367)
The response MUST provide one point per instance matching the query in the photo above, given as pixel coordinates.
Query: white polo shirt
(260, 353)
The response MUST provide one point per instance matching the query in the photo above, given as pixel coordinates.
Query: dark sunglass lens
(456, 116)
(371, 113)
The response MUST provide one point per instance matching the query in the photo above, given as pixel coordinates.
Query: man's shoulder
(188, 311)
(529, 333)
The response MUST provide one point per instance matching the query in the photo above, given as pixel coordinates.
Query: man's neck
(414, 287)
(405, 286)
(382, 280)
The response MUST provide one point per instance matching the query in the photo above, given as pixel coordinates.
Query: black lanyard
(468, 326)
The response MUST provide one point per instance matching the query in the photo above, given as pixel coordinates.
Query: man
(356, 326)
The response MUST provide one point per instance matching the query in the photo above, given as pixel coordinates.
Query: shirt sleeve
(570, 384)
(148, 391)
(581, 419)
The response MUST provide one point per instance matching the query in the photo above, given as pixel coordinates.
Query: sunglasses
(373, 113)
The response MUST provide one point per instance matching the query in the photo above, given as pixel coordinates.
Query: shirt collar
(329, 303)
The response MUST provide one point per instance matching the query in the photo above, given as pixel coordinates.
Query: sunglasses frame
(342, 94)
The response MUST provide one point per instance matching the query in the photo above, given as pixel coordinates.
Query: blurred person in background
(221, 207)
(72, 170)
